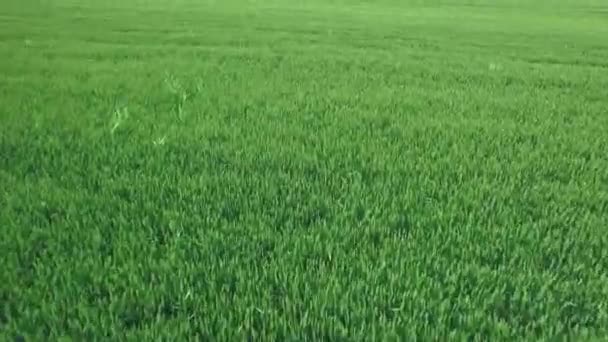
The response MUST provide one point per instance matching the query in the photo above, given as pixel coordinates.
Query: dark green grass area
(273, 170)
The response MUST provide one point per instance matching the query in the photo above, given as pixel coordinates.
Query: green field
(314, 170)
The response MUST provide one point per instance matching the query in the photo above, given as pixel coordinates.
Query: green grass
(312, 170)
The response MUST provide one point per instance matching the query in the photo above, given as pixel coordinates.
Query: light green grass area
(303, 170)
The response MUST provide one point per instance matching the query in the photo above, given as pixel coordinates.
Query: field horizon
(275, 170)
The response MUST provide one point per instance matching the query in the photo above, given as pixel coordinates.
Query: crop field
(346, 170)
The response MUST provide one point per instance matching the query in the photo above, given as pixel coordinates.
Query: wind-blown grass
(323, 170)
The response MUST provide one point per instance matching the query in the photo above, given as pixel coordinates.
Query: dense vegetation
(322, 170)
